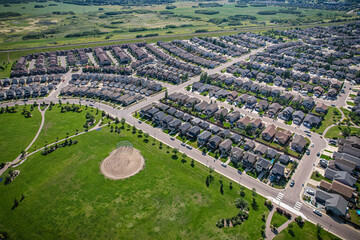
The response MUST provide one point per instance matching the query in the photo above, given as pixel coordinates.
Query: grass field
(329, 119)
(335, 132)
(66, 197)
(58, 124)
(17, 132)
(278, 219)
(308, 231)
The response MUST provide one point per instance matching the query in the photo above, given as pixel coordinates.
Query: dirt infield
(122, 163)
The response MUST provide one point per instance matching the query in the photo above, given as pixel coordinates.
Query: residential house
(262, 105)
(340, 176)
(269, 132)
(249, 159)
(321, 108)
(298, 143)
(203, 138)
(333, 203)
(286, 114)
(184, 128)
(343, 190)
(277, 172)
(211, 109)
(193, 132)
(214, 142)
(225, 147)
(261, 150)
(311, 121)
(284, 159)
(274, 108)
(236, 154)
(249, 145)
(174, 125)
(263, 165)
(298, 117)
(282, 137)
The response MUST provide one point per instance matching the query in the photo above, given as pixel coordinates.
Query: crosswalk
(297, 206)
(279, 196)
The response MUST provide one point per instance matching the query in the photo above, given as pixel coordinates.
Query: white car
(188, 147)
(310, 192)
(223, 164)
(312, 145)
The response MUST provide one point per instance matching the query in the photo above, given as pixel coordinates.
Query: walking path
(19, 158)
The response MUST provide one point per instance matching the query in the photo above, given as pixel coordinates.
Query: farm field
(132, 21)
(66, 196)
(58, 124)
(17, 132)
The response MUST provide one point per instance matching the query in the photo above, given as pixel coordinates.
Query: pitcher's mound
(122, 163)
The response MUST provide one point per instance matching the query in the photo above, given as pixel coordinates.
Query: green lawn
(329, 119)
(308, 231)
(17, 132)
(318, 177)
(58, 124)
(278, 219)
(66, 196)
(335, 132)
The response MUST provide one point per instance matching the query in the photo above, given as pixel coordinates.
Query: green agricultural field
(307, 231)
(29, 8)
(66, 196)
(17, 132)
(116, 27)
(58, 124)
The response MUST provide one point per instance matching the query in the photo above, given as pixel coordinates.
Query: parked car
(223, 164)
(189, 147)
(317, 212)
(183, 144)
(292, 183)
(172, 138)
(310, 192)
(312, 145)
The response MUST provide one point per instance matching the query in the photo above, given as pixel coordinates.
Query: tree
(230, 186)
(192, 164)
(254, 192)
(254, 204)
(116, 120)
(166, 94)
(175, 151)
(242, 193)
(248, 128)
(123, 121)
(222, 189)
(345, 131)
(242, 204)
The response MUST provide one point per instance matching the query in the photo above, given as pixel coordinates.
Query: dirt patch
(122, 163)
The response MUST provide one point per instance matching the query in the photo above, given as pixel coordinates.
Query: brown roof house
(269, 132)
(282, 137)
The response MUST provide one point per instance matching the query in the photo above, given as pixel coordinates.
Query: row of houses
(186, 56)
(30, 91)
(22, 81)
(272, 110)
(248, 152)
(173, 62)
(336, 195)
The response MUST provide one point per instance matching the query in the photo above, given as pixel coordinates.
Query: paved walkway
(268, 231)
(18, 158)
